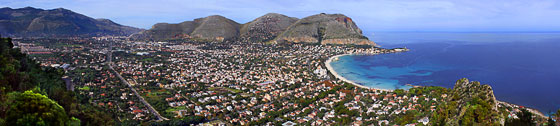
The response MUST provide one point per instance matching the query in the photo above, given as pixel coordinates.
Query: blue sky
(370, 15)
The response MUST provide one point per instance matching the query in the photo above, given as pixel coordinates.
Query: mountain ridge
(59, 22)
(271, 27)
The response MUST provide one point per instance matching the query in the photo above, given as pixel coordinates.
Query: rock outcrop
(325, 29)
(216, 27)
(470, 103)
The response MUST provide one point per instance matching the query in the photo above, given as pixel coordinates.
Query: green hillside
(35, 95)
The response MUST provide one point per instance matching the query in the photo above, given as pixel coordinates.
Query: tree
(399, 92)
(31, 108)
(525, 118)
(550, 122)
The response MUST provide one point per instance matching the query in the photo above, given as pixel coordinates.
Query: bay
(522, 68)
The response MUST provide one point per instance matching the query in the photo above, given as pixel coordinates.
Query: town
(233, 83)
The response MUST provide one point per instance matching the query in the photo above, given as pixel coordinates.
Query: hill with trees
(35, 95)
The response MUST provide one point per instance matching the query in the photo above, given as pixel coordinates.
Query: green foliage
(407, 118)
(92, 116)
(525, 118)
(31, 108)
(466, 106)
(557, 114)
(74, 122)
(550, 122)
(44, 88)
(399, 92)
(185, 121)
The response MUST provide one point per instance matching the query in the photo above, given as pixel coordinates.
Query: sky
(370, 15)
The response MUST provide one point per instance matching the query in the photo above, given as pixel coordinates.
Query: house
(288, 123)
(424, 120)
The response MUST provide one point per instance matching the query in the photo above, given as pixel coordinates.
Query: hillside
(266, 27)
(35, 95)
(211, 28)
(217, 28)
(471, 103)
(34, 22)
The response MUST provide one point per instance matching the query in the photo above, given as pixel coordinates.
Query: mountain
(272, 27)
(266, 27)
(216, 27)
(325, 29)
(33, 22)
(213, 27)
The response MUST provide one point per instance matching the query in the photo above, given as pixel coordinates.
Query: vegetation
(181, 121)
(30, 108)
(525, 118)
(35, 95)
(470, 104)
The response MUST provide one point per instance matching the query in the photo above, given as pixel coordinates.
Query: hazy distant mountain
(216, 27)
(213, 28)
(326, 29)
(59, 22)
(323, 28)
(266, 27)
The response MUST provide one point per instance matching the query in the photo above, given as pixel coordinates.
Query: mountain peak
(325, 29)
(216, 16)
(61, 9)
(30, 8)
(266, 27)
(273, 14)
(468, 96)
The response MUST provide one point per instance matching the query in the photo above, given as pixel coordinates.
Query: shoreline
(336, 75)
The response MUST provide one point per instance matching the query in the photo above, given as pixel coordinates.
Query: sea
(522, 68)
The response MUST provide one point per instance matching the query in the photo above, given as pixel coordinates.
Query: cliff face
(56, 22)
(266, 27)
(469, 104)
(325, 29)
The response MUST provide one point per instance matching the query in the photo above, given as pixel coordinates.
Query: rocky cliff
(33, 22)
(325, 29)
(470, 103)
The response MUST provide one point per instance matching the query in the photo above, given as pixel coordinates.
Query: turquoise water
(522, 68)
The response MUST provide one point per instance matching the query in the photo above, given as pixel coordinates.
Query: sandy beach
(330, 69)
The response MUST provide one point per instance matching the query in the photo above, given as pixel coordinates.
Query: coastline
(333, 72)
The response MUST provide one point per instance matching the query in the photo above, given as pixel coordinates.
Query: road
(150, 108)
